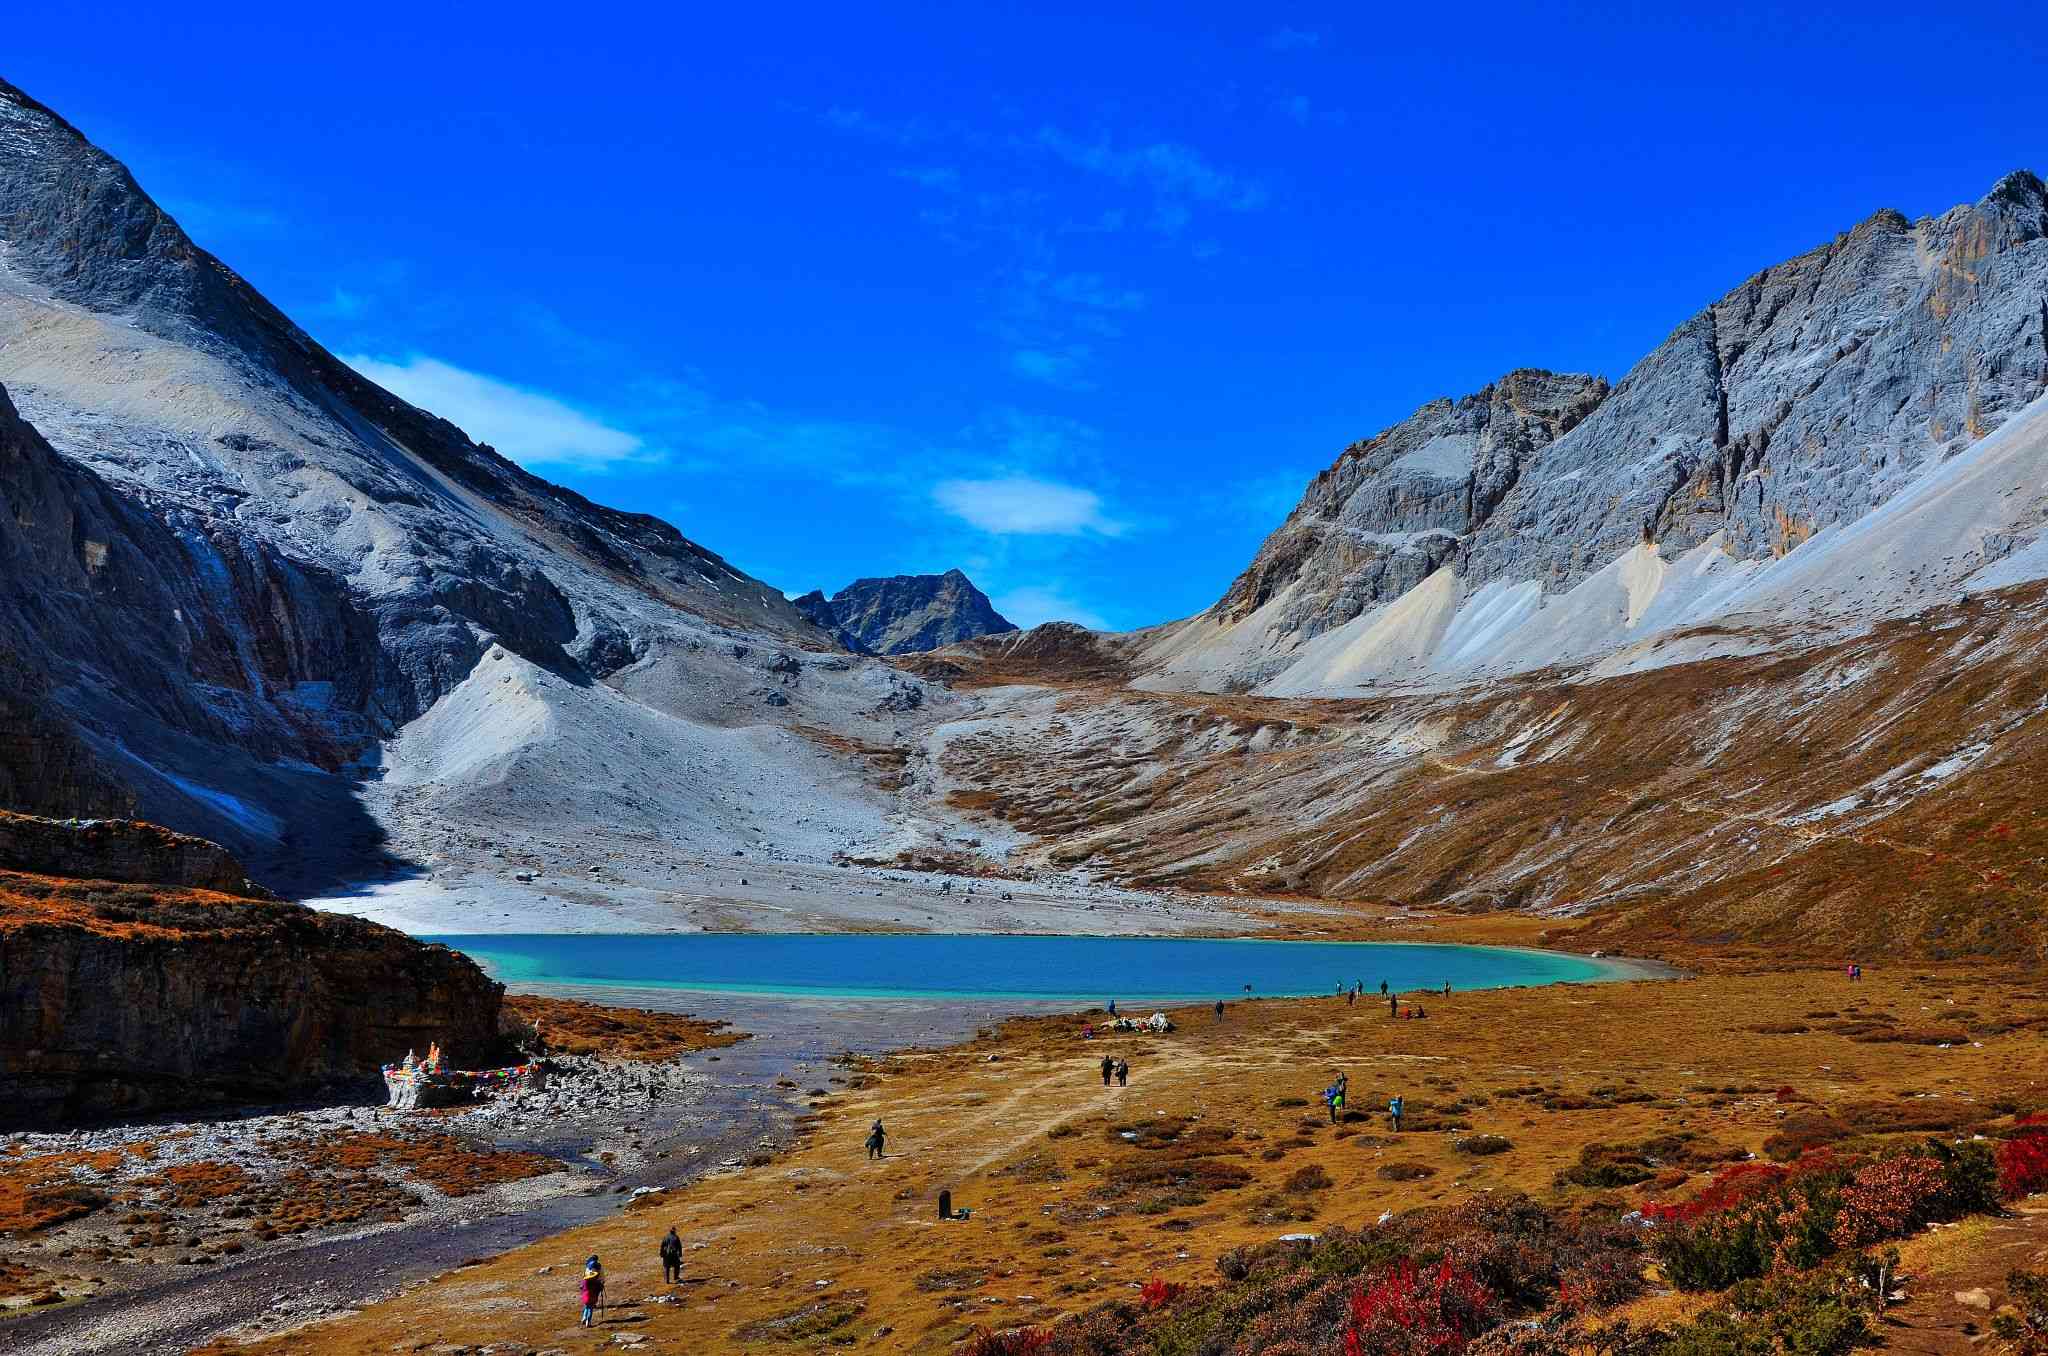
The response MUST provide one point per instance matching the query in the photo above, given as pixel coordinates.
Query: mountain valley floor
(1080, 1193)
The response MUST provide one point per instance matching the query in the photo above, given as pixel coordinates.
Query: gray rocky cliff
(233, 562)
(1804, 398)
(906, 613)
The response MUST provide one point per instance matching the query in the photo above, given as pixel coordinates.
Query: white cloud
(531, 427)
(1167, 166)
(1060, 367)
(1033, 604)
(1025, 506)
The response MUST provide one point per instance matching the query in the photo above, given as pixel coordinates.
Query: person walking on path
(1383, 988)
(1123, 1073)
(593, 1289)
(1393, 1005)
(1112, 1007)
(1219, 1009)
(1108, 1068)
(877, 1137)
(1351, 998)
(1447, 988)
(1394, 1109)
(671, 1257)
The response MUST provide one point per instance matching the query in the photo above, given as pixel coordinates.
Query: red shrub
(1433, 1312)
(1158, 1293)
(1888, 1199)
(1010, 1342)
(2023, 1159)
(1730, 1187)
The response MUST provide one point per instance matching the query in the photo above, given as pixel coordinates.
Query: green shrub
(2026, 1327)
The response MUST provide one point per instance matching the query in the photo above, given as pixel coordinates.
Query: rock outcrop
(905, 613)
(229, 562)
(1396, 506)
(1543, 519)
(120, 998)
(120, 850)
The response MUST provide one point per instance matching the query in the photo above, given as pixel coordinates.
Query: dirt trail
(1066, 1213)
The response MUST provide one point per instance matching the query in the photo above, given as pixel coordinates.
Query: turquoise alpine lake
(986, 966)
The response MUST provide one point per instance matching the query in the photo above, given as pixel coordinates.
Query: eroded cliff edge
(120, 997)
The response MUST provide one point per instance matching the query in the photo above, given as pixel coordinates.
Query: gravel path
(726, 1107)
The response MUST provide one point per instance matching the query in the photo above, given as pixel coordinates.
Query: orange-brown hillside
(1869, 796)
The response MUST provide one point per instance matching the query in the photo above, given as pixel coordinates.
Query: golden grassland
(571, 1027)
(1080, 1192)
(1872, 793)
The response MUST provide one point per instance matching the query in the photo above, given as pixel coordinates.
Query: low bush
(1306, 1179)
(1010, 1342)
(1482, 1145)
(1405, 1172)
(1158, 1292)
(2023, 1159)
(2025, 1326)
(1433, 1311)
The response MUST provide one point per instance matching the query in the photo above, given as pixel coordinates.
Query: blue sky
(1074, 300)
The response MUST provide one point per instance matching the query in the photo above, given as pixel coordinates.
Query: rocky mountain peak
(1394, 507)
(905, 613)
(1812, 393)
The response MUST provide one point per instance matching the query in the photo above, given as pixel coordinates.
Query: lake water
(1132, 970)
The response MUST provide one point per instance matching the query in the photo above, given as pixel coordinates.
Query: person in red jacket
(593, 1288)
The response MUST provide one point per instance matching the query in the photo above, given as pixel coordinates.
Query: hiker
(1123, 1073)
(1337, 1091)
(1219, 1009)
(1394, 1109)
(1351, 998)
(1383, 988)
(1393, 1002)
(1108, 1068)
(1088, 1032)
(1447, 988)
(877, 1137)
(671, 1257)
(593, 1288)
(1112, 1007)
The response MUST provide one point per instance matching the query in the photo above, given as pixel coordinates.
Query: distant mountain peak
(905, 613)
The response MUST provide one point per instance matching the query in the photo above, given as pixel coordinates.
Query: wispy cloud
(1167, 166)
(1061, 367)
(342, 304)
(1026, 506)
(1088, 289)
(531, 427)
(210, 220)
(1293, 39)
(1034, 604)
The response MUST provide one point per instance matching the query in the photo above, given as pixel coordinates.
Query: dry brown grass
(571, 1027)
(1677, 805)
(1070, 1219)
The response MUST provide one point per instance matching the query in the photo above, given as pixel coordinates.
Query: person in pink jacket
(593, 1288)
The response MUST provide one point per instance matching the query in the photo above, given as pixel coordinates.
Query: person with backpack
(671, 1257)
(1123, 1073)
(877, 1137)
(593, 1288)
(1394, 1109)
(1108, 1068)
